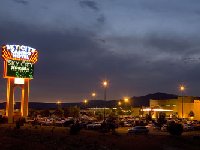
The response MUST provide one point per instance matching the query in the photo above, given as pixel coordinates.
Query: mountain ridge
(135, 101)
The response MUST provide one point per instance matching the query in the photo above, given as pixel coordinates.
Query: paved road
(124, 130)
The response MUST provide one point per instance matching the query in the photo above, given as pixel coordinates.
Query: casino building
(182, 107)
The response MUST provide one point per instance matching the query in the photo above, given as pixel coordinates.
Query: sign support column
(25, 97)
(10, 99)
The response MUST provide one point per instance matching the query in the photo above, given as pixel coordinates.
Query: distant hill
(40, 105)
(134, 101)
(144, 100)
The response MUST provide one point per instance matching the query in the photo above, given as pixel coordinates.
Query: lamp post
(182, 88)
(85, 101)
(105, 85)
(119, 103)
(93, 95)
(58, 103)
(126, 101)
(118, 110)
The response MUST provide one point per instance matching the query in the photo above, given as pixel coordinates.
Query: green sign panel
(19, 69)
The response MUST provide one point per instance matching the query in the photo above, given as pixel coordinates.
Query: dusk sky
(140, 46)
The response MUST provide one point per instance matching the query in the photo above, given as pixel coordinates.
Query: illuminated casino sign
(19, 69)
(19, 52)
(19, 61)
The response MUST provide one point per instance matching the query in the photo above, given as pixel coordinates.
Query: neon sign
(19, 69)
(19, 61)
(19, 52)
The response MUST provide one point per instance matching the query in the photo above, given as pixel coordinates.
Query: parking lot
(51, 137)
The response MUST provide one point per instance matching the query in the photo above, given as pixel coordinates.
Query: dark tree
(45, 113)
(191, 114)
(59, 113)
(175, 128)
(161, 120)
(148, 117)
(74, 112)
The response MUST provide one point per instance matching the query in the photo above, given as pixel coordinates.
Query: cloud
(89, 4)
(101, 19)
(140, 46)
(23, 2)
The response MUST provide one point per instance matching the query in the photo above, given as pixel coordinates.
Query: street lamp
(105, 85)
(119, 109)
(93, 95)
(182, 88)
(126, 100)
(85, 101)
(58, 103)
(93, 98)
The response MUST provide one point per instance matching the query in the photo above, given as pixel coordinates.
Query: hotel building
(182, 107)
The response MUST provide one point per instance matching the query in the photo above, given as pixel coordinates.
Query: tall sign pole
(19, 63)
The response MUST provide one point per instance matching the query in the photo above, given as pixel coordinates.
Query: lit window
(19, 81)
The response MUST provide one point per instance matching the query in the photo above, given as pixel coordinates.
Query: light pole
(105, 85)
(85, 101)
(126, 101)
(182, 88)
(119, 103)
(58, 103)
(93, 95)
(119, 110)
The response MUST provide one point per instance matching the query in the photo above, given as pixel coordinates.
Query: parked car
(196, 125)
(187, 127)
(127, 124)
(149, 125)
(95, 125)
(138, 130)
(59, 122)
(29, 120)
(164, 127)
(68, 122)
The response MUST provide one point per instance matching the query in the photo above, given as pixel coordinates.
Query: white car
(126, 124)
(93, 126)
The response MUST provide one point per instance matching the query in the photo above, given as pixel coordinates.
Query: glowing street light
(126, 100)
(119, 103)
(58, 103)
(93, 95)
(182, 89)
(105, 85)
(85, 101)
